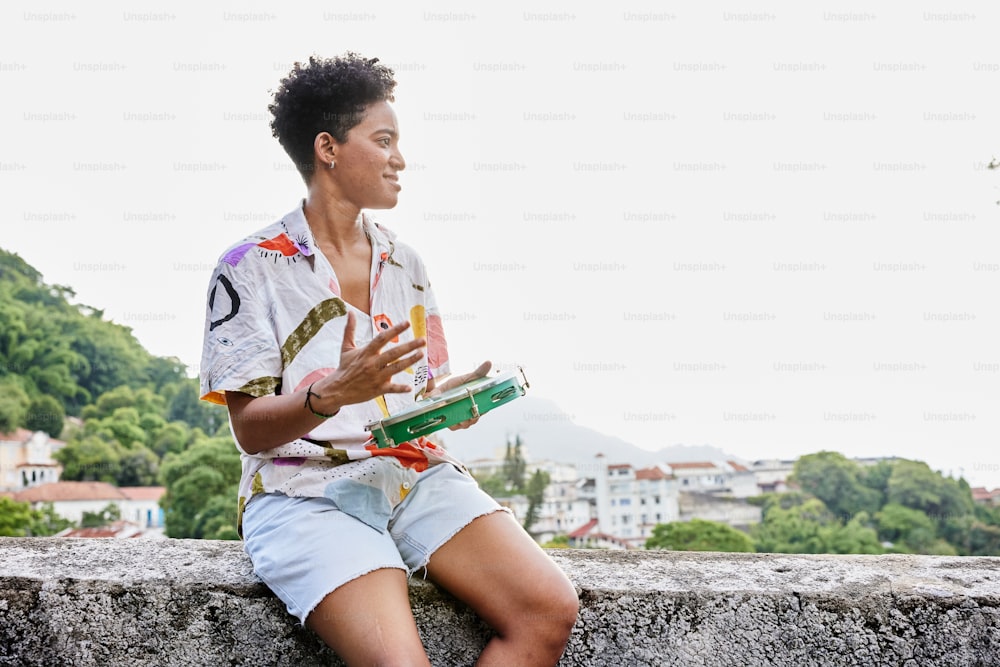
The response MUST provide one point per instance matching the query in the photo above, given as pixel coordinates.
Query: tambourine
(466, 401)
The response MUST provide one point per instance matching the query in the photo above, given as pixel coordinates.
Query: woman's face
(368, 163)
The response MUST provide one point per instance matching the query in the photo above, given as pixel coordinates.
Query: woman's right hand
(366, 372)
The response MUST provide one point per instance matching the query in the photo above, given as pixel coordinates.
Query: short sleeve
(240, 351)
(437, 345)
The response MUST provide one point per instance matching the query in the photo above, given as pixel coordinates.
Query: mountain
(548, 432)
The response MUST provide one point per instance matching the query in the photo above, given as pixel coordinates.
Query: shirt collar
(300, 233)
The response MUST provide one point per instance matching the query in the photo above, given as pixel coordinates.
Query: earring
(332, 164)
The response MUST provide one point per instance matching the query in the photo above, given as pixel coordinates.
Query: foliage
(90, 459)
(511, 479)
(59, 358)
(14, 404)
(19, 520)
(899, 505)
(913, 484)
(534, 491)
(202, 483)
(910, 530)
(46, 522)
(66, 351)
(514, 466)
(106, 516)
(799, 523)
(15, 517)
(557, 542)
(698, 535)
(838, 482)
(45, 414)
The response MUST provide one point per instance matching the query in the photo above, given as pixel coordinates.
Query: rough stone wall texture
(112, 603)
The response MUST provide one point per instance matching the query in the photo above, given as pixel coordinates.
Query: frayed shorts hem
(306, 548)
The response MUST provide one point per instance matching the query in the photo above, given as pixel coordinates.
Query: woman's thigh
(305, 548)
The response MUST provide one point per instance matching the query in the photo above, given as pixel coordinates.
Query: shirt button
(406, 485)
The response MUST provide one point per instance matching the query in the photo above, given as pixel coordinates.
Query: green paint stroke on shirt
(264, 386)
(310, 325)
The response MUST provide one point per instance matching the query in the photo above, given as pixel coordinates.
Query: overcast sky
(771, 230)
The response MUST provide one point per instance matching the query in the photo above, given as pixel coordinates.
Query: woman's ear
(325, 150)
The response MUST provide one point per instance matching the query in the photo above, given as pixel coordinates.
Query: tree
(45, 522)
(698, 535)
(799, 523)
(910, 528)
(510, 481)
(837, 481)
(173, 437)
(535, 492)
(45, 414)
(200, 480)
(90, 459)
(185, 405)
(913, 484)
(514, 466)
(139, 467)
(854, 537)
(15, 517)
(105, 517)
(218, 519)
(797, 528)
(14, 404)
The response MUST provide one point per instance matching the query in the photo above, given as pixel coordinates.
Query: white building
(772, 474)
(26, 459)
(722, 478)
(628, 503)
(137, 504)
(564, 507)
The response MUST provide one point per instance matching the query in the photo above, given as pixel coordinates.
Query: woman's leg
(495, 567)
(304, 548)
(368, 621)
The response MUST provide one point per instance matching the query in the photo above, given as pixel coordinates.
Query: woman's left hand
(454, 381)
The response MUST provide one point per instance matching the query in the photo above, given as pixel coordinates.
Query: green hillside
(139, 421)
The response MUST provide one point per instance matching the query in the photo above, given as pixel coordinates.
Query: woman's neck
(336, 225)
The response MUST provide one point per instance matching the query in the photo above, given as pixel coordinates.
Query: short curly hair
(325, 95)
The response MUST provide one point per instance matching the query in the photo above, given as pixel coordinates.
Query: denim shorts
(304, 548)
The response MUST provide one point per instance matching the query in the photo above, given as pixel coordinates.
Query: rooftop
(68, 491)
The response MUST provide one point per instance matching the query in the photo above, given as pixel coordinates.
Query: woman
(319, 324)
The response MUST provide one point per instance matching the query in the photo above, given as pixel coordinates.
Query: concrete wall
(129, 603)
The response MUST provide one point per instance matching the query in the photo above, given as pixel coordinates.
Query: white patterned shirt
(275, 323)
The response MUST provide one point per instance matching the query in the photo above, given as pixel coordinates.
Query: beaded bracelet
(309, 394)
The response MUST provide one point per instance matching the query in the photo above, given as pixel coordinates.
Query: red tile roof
(143, 492)
(651, 473)
(17, 435)
(23, 435)
(737, 467)
(584, 529)
(619, 466)
(692, 465)
(115, 529)
(64, 491)
(981, 493)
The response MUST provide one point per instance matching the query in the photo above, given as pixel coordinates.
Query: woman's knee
(553, 611)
